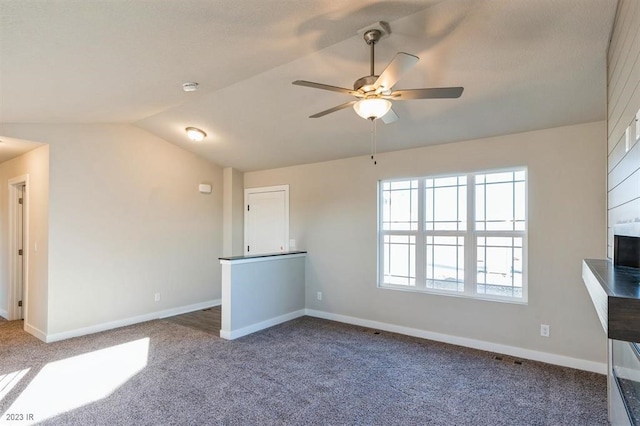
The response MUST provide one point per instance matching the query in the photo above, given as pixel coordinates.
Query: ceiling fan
(374, 93)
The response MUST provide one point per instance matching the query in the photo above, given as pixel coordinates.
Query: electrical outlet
(319, 295)
(157, 297)
(544, 330)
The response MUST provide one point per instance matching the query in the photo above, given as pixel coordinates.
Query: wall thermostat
(204, 188)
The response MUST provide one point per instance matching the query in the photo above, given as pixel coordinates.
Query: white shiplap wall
(623, 92)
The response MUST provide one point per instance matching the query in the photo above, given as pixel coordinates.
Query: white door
(266, 220)
(20, 246)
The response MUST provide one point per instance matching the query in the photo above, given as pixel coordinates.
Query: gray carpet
(312, 371)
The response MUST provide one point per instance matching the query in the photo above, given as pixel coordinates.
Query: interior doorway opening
(18, 247)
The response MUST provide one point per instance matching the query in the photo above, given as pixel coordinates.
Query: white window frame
(470, 240)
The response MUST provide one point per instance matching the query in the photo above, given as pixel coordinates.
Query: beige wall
(233, 207)
(35, 164)
(126, 221)
(333, 216)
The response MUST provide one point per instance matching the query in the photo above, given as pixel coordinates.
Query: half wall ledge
(260, 291)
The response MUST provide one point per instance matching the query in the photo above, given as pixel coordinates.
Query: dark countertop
(617, 281)
(256, 256)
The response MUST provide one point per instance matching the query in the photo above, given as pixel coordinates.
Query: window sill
(445, 293)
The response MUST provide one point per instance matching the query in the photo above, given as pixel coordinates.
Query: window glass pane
(499, 206)
(519, 206)
(400, 206)
(480, 210)
(429, 213)
(445, 263)
(446, 204)
(499, 177)
(462, 208)
(499, 270)
(447, 181)
(399, 260)
(500, 202)
(401, 184)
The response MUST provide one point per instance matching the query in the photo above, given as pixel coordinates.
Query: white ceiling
(524, 64)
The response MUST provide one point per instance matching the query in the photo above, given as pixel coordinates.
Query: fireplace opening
(626, 251)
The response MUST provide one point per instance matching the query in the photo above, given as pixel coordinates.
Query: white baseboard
(35, 332)
(128, 321)
(189, 308)
(230, 335)
(549, 358)
(4, 314)
(561, 360)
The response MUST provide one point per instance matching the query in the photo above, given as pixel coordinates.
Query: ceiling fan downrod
(371, 37)
(367, 83)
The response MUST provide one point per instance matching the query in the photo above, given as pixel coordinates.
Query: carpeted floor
(304, 372)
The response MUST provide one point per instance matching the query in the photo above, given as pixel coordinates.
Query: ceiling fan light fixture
(195, 134)
(372, 108)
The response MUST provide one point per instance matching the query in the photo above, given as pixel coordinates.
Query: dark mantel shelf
(258, 256)
(615, 292)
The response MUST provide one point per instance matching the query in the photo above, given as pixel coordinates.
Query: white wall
(623, 95)
(126, 221)
(333, 216)
(35, 163)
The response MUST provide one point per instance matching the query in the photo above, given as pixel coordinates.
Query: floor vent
(508, 359)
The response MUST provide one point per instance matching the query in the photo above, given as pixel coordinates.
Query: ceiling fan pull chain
(372, 136)
(373, 142)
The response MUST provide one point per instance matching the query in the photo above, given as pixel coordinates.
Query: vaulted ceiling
(524, 65)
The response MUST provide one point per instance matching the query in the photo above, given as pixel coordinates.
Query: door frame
(14, 292)
(274, 188)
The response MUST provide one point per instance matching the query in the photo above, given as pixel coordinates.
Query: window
(461, 235)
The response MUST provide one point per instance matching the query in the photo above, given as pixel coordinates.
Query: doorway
(18, 248)
(266, 225)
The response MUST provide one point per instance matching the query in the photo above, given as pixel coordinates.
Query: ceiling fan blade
(389, 117)
(326, 87)
(433, 93)
(400, 64)
(334, 109)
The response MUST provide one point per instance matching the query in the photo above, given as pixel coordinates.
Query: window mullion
(421, 259)
(470, 274)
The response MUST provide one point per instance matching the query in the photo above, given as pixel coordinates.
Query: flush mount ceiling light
(190, 86)
(195, 134)
(372, 108)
